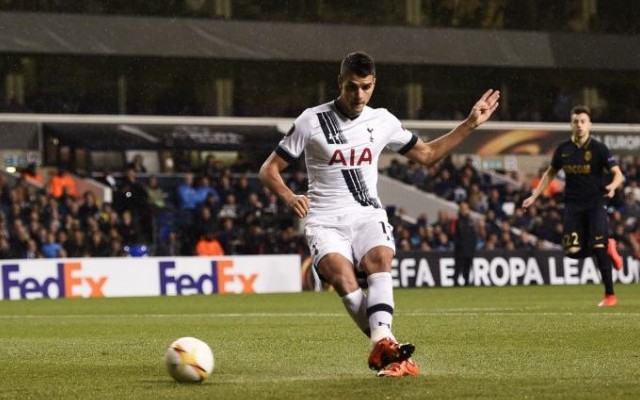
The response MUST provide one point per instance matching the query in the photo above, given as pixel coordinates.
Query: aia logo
(351, 158)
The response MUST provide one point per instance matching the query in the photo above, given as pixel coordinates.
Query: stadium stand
(246, 219)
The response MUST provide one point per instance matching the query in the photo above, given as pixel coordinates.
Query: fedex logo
(218, 279)
(68, 282)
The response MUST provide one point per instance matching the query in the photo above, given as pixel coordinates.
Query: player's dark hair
(358, 63)
(581, 110)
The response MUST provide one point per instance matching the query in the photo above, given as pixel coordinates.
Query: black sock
(604, 265)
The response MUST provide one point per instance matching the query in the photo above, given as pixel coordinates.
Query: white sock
(356, 305)
(380, 305)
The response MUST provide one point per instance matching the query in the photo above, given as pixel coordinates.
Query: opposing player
(346, 226)
(584, 161)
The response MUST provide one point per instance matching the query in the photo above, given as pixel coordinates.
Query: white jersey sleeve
(294, 142)
(400, 139)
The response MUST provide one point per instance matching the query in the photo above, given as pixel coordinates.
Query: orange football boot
(399, 369)
(388, 351)
(609, 300)
(612, 252)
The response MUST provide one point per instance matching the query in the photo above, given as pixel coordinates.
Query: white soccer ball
(189, 360)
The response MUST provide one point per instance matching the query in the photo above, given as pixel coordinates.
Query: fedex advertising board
(154, 276)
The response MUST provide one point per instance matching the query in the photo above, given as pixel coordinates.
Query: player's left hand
(610, 191)
(484, 108)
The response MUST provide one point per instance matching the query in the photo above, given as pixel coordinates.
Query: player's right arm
(546, 179)
(270, 176)
(289, 149)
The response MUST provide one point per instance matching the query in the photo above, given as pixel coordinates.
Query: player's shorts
(585, 227)
(350, 235)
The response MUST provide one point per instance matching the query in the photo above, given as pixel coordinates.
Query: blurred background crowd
(219, 209)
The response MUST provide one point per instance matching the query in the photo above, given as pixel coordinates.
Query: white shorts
(351, 235)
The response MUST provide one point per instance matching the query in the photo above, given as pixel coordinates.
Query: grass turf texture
(494, 343)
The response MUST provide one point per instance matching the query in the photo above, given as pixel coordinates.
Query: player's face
(580, 125)
(355, 92)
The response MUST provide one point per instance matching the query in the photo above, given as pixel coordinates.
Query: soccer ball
(189, 360)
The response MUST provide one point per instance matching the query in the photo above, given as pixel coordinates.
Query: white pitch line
(318, 315)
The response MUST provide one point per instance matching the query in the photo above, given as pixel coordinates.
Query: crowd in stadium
(506, 225)
(221, 210)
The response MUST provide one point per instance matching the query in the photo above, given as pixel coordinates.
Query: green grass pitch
(539, 342)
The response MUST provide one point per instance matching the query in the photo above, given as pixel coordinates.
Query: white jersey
(342, 155)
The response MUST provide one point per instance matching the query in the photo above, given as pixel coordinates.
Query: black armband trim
(285, 155)
(409, 145)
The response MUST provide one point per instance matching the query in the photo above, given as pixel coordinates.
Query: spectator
(62, 184)
(51, 248)
(31, 175)
(128, 229)
(242, 189)
(208, 245)
(98, 245)
(76, 246)
(156, 196)
(465, 241)
(254, 239)
(224, 186)
(88, 209)
(32, 250)
(187, 196)
(477, 199)
(212, 168)
(137, 164)
(131, 195)
(229, 207)
(229, 236)
(444, 184)
(203, 223)
(204, 190)
(171, 246)
(443, 243)
(117, 249)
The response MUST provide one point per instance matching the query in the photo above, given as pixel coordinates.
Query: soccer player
(346, 226)
(584, 161)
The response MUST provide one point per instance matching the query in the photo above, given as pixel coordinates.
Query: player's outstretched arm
(546, 179)
(435, 150)
(270, 177)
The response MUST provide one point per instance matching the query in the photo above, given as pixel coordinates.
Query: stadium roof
(73, 34)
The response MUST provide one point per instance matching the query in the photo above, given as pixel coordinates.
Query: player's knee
(377, 259)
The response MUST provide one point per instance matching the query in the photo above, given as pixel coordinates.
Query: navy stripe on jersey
(285, 155)
(357, 187)
(409, 145)
(330, 128)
